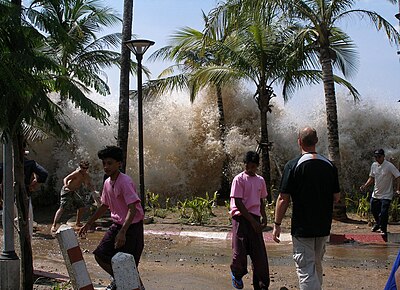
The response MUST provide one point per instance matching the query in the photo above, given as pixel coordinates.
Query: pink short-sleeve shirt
(250, 189)
(118, 195)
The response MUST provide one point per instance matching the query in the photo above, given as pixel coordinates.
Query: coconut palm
(71, 28)
(25, 81)
(261, 53)
(30, 69)
(332, 47)
(191, 50)
(329, 48)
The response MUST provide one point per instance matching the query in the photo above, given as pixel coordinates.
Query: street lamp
(139, 47)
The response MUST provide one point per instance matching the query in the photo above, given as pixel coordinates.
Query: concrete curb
(370, 238)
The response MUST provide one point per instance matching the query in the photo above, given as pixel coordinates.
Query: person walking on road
(382, 175)
(247, 208)
(311, 182)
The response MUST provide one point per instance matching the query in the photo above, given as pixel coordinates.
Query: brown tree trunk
(339, 211)
(265, 95)
(123, 117)
(266, 164)
(22, 206)
(225, 184)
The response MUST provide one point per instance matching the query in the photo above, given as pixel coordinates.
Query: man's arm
(397, 180)
(69, 178)
(262, 211)
(121, 236)
(99, 213)
(245, 213)
(39, 176)
(368, 183)
(281, 206)
(41, 173)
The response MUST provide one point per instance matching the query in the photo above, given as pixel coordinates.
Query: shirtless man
(70, 197)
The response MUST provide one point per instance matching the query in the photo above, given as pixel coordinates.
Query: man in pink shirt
(248, 220)
(120, 197)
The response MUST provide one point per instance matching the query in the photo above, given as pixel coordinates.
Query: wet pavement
(184, 262)
(172, 262)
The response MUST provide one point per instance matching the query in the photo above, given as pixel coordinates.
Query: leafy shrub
(201, 208)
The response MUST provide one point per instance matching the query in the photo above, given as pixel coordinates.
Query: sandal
(237, 283)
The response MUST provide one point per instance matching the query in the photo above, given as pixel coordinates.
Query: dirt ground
(172, 262)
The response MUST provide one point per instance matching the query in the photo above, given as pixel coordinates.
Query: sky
(379, 65)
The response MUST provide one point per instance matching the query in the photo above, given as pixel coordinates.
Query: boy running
(247, 206)
(120, 197)
(71, 193)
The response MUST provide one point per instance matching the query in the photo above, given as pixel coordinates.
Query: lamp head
(139, 46)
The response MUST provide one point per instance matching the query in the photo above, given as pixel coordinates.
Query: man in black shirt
(311, 182)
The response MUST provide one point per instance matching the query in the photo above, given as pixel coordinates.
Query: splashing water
(184, 154)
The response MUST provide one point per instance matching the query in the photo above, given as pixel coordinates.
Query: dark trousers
(245, 241)
(380, 211)
(133, 245)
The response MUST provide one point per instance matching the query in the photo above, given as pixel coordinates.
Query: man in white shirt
(382, 175)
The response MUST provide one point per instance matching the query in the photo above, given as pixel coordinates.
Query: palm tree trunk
(224, 186)
(22, 206)
(264, 143)
(339, 211)
(123, 117)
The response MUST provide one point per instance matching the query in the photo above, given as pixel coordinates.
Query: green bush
(201, 208)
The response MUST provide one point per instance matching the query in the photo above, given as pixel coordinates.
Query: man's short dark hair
(251, 157)
(113, 152)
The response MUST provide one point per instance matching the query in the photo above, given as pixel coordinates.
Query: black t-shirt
(311, 180)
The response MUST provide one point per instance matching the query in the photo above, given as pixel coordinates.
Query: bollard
(73, 258)
(126, 275)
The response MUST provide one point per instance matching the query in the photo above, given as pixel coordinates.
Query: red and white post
(73, 258)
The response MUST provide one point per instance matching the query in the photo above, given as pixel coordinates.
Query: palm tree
(30, 69)
(329, 47)
(71, 28)
(332, 47)
(25, 82)
(191, 50)
(260, 53)
(123, 112)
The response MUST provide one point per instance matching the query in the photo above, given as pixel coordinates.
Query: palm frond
(74, 92)
(377, 20)
(159, 87)
(353, 91)
(345, 52)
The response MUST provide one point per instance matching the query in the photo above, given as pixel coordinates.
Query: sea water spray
(182, 149)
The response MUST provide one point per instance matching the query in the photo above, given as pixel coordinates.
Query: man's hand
(276, 232)
(362, 188)
(34, 186)
(264, 222)
(120, 239)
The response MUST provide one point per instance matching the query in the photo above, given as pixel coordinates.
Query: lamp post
(139, 47)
